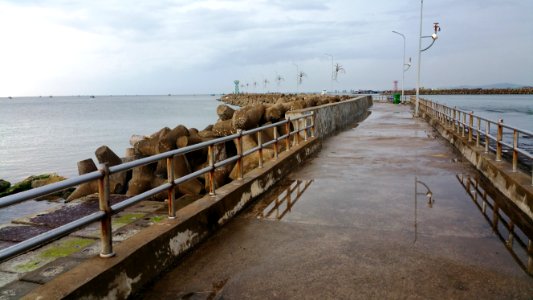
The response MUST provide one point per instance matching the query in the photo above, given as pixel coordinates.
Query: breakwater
(192, 223)
(257, 110)
(476, 91)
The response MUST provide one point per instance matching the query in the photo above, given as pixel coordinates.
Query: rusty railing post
(276, 149)
(470, 125)
(313, 127)
(288, 130)
(260, 144)
(297, 130)
(239, 153)
(171, 191)
(211, 157)
(487, 140)
(499, 137)
(463, 123)
(478, 131)
(454, 119)
(106, 234)
(450, 117)
(305, 126)
(515, 149)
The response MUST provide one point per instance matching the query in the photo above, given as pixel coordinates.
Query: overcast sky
(68, 47)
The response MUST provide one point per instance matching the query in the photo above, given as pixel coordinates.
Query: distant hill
(504, 85)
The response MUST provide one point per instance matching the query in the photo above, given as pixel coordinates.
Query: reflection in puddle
(429, 194)
(509, 224)
(279, 204)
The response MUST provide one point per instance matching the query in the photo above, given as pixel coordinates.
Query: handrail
(104, 172)
(469, 126)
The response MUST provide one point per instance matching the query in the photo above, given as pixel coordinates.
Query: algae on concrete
(157, 219)
(37, 258)
(124, 219)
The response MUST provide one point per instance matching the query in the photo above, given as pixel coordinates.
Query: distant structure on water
(236, 82)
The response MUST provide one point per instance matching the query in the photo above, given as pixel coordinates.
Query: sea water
(51, 134)
(515, 110)
(43, 135)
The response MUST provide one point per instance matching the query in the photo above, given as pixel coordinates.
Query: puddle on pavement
(512, 227)
(436, 212)
(280, 201)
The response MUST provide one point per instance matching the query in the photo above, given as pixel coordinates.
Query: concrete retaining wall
(514, 185)
(331, 118)
(144, 256)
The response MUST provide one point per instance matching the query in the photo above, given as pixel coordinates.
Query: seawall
(331, 118)
(144, 256)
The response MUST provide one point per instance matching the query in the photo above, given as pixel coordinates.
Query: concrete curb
(144, 256)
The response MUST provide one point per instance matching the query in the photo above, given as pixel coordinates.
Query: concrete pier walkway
(349, 226)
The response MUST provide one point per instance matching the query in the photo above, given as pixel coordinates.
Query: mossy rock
(28, 183)
(4, 185)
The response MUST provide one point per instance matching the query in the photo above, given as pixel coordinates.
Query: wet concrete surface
(353, 228)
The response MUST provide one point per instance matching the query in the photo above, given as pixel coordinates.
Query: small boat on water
(92, 97)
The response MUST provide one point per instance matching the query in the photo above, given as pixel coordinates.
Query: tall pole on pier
(419, 61)
(433, 37)
(403, 63)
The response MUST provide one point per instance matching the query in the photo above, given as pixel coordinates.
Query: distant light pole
(404, 65)
(420, 50)
(331, 77)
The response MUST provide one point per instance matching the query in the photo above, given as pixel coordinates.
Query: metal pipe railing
(504, 138)
(106, 210)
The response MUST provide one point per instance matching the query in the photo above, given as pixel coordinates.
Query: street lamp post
(420, 50)
(404, 65)
(331, 77)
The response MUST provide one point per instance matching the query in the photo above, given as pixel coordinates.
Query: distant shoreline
(478, 91)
